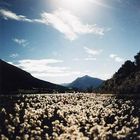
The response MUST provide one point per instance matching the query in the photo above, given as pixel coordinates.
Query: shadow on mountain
(14, 80)
(85, 84)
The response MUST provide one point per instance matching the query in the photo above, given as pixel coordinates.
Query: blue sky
(60, 40)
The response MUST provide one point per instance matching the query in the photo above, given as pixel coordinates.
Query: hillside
(13, 80)
(126, 80)
(85, 83)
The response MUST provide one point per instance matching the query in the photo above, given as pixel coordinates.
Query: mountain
(126, 80)
(14, 80)
(85, 83)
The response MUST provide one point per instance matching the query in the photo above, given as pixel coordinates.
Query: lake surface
(69, 116)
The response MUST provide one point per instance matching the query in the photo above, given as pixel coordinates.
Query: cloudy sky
(60, 40)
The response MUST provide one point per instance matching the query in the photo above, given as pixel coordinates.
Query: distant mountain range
(126, 80)
(84, 83)
(15, 80)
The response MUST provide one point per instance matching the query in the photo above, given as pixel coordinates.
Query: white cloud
(100, 3)
(50, 70)
(10, 15)
(14, 55)
(21, 42)
(119, 59)
(92, 51)
(62, 20)
(44, 67)
(70, 25)
(90, 59)
(39, 65)
(112, 55)
(116, 58)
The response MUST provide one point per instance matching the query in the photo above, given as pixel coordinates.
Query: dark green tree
(126, 80)
(127, 68)
(137, 60)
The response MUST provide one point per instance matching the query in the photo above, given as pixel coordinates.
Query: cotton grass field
(69, 117)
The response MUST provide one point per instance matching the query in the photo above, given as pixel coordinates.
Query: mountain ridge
(13, 79)
(84, 83)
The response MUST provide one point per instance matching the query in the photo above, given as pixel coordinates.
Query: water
(69, 116)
